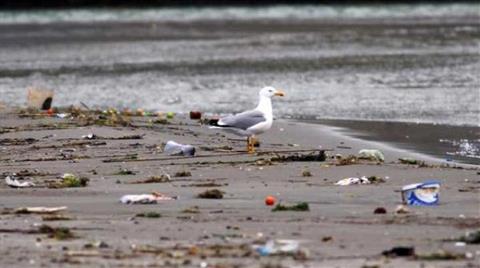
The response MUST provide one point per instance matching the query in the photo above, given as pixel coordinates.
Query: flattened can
(421, 194)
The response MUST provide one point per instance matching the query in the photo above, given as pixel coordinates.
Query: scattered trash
(224, 148)
(441, 255)
(471, 237)
(362, 180)
(195, 115)
(14, 183)
(303, 206)
(152, 198)
(344, 161)
(150, 214)
(371, 154)
(58, 233)
(193, 210)
(154, 179)
(183, 174)
(205, 184)
(401, 209)
(421, 194)
(174, 148)
(96, 244)
(270, 200)
(277, 247)
(202, 251)
(375, 179)
(306, 173)
(70, 180)
(399, 252)
(7, 142)
(62, 115)
(211, 194)
(380, 210)
(161, 121)
(90, 136)
(38, 210)
(170, 115)
(39, 98)
(56, 217)
(126, 137)
(298, 157)
(124, 172)
(410, 161)
(350, 181)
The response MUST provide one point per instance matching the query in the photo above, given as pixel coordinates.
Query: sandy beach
(398, 78)
(340, 228)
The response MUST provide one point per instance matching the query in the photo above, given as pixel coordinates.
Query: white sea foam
(241, 13)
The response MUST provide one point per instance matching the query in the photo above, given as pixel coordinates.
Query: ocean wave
(241, 13)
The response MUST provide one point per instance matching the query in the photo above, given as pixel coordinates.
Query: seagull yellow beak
(279, 93)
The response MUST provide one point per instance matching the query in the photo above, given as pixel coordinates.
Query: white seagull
(252, 122)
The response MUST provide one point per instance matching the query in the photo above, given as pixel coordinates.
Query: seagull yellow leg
(250, 147)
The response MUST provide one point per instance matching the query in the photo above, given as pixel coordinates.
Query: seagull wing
(243, 120)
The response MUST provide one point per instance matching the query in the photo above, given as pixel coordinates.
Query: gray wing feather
(243, 120)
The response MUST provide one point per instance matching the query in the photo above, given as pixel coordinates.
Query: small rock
(380, 210)
(211, 194)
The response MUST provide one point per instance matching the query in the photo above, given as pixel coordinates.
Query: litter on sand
(350, 181)
(302, 206)
(174, 148)
(14, 183)
(279, 246)
(371, 154)
(399, 252)
(421, 194)
(211, 194)
(39, 210)
(89, 136)
(39, 98)
(152, 198)
(62, 115)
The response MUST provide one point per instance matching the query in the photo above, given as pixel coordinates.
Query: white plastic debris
(278, 246)
(350, 181)
(14, 183)
(89, 136)
(40, 210)
(174, 148)
(372, 154)
(152, 198)
(62, 115)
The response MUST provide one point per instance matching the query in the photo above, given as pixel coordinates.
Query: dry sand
(340, 230)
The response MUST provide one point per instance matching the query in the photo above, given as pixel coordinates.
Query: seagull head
(270, 92)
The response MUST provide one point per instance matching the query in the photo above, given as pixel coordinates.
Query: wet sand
(339, 230)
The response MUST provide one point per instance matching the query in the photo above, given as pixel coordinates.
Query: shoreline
(428, 139)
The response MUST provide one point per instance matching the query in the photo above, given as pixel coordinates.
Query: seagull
(252, 122)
